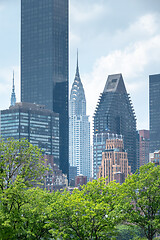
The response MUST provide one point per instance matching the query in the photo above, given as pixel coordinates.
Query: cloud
(131, 61)
(146, 26)
(135, 61)
(84, 12)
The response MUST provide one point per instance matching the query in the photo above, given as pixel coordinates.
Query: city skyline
(106, 37)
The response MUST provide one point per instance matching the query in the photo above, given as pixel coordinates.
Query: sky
(112, 36)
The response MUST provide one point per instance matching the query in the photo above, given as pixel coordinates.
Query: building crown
(77, 96)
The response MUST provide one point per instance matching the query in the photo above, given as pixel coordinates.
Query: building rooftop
(30, 106)
(115, 83)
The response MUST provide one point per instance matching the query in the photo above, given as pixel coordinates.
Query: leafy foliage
(23, 213)
(141, 196)
(128, 232)
(94, 212)
(19, 158)
(86, 214)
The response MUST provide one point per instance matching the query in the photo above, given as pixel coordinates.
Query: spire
(13, 88)
(13, 95)
(77, 69)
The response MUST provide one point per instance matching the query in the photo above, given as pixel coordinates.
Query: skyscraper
(79, 129)
(114, 113)
(44, 61)
(154, 112)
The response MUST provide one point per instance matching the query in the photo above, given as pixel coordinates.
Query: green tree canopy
(23, 213)
(128, 232)
(90, 213)
(19, 158)
(140, 196)
(87, 214)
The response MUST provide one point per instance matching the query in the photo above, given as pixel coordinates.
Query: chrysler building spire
(77, 69)
(77, 96)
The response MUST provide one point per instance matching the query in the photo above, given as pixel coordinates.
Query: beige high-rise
(114, 162)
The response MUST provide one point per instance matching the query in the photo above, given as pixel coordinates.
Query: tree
(140, 197)
(11, 201)
(22, 209)
(128, 232)
(87, 214)
(19, 158)
(23, 213)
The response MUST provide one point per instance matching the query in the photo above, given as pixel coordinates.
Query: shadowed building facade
(44, 61)
(154, 112)
(115, 114)
(143, 147)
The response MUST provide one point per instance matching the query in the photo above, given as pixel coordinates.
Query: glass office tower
(115, 114)
(34, 123)
(44, 61)
(154, 112)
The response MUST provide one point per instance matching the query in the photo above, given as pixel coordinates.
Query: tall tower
(79, 129)
(114, 114)
(13, 95)
(154, 112)
(44, 61)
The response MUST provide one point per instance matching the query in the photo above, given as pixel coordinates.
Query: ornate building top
(77, 96)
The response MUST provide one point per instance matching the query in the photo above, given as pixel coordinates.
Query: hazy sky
(113, 36)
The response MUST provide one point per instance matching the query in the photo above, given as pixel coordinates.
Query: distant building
(33, 122)
(137, 149)
(154, 111)
(155, 157)
(115, 114)
(72, 175)
(13, 95)
(114, 162)
(44, 62)
(143, 147)
(54, 178)
(79, 129)
(80, 180)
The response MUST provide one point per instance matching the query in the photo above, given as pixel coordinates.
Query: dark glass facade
(114, 113)
(154, 112)
(44, 61)
(32, 122)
